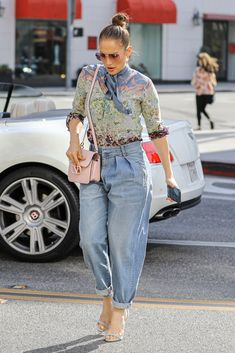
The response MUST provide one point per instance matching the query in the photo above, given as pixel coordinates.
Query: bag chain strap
(89, 113)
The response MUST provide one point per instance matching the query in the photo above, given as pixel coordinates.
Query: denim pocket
(139, 167)
(124, 168)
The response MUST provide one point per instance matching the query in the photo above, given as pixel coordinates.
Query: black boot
(212, 125)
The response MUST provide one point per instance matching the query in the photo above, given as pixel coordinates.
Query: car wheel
(39, 214)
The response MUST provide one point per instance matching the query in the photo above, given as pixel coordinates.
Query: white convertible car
(39, 208)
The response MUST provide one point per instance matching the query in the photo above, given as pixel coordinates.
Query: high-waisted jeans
(114, 219)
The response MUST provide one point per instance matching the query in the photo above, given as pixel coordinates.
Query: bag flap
(88, 155)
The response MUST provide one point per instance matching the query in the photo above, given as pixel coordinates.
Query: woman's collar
(124, 71)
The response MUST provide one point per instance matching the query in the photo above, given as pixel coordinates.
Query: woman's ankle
(108, 299)
(107, 308)
(107, 303)
(119, 312)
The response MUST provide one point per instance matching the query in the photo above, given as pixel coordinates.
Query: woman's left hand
(172, 183)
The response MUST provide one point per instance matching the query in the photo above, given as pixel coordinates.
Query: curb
(218, 168)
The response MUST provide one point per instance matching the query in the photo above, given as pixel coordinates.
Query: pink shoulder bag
(89, 169)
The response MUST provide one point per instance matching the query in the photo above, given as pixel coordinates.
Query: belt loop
(123, 151)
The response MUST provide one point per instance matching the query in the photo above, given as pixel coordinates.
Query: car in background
(39, 207)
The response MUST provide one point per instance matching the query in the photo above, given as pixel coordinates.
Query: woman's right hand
(74, 153)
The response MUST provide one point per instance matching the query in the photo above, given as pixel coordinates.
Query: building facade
(166, 36)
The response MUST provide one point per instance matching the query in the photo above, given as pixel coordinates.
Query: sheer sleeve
(151, 112)
(78, 108)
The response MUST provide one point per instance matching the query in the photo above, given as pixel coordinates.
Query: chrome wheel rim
(34, 216)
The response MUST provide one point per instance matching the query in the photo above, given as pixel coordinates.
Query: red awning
(44, 9)
(148, 11)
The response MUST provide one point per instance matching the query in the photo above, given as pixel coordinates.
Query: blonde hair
(208, 62)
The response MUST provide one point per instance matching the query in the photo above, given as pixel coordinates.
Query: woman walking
(204, 82)
(114, 212)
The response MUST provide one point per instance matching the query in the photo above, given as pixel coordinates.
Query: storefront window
(40, 52)
(146, 40)
(215, 43)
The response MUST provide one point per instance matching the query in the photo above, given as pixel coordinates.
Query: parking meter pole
(70, 17)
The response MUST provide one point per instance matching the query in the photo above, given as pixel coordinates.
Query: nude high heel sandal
(116, 336)
(102, 326)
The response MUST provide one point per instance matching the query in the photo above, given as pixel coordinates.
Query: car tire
(39, 214)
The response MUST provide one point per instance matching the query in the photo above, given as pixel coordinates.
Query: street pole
(70, 15)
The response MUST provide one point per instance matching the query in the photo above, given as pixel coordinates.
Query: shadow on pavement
(73, 346)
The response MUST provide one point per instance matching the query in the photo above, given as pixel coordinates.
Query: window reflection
(215, 43)
(40, 51)
(146, 40)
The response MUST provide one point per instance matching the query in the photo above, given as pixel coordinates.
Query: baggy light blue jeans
(114, 220)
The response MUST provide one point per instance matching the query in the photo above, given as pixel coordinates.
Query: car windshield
(11, 93)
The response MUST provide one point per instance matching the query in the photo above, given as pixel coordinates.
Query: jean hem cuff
(121, 305)
(107, 292)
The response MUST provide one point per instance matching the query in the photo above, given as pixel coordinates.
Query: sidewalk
(70, 327)
(217, 150)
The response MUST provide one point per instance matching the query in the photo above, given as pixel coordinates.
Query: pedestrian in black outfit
(204, 82)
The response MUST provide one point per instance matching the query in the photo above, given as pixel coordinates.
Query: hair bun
(120, 19)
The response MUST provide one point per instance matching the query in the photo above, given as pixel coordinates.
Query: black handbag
(210, 98)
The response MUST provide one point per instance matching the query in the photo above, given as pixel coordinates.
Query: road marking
(166, 303)
(219, 244)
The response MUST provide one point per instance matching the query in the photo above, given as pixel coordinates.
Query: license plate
(192, 171)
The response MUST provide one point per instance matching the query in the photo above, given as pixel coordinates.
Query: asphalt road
(185, 301)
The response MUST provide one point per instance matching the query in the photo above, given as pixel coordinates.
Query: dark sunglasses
(102, 56)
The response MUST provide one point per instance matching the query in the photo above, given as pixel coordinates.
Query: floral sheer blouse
(112, 127)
